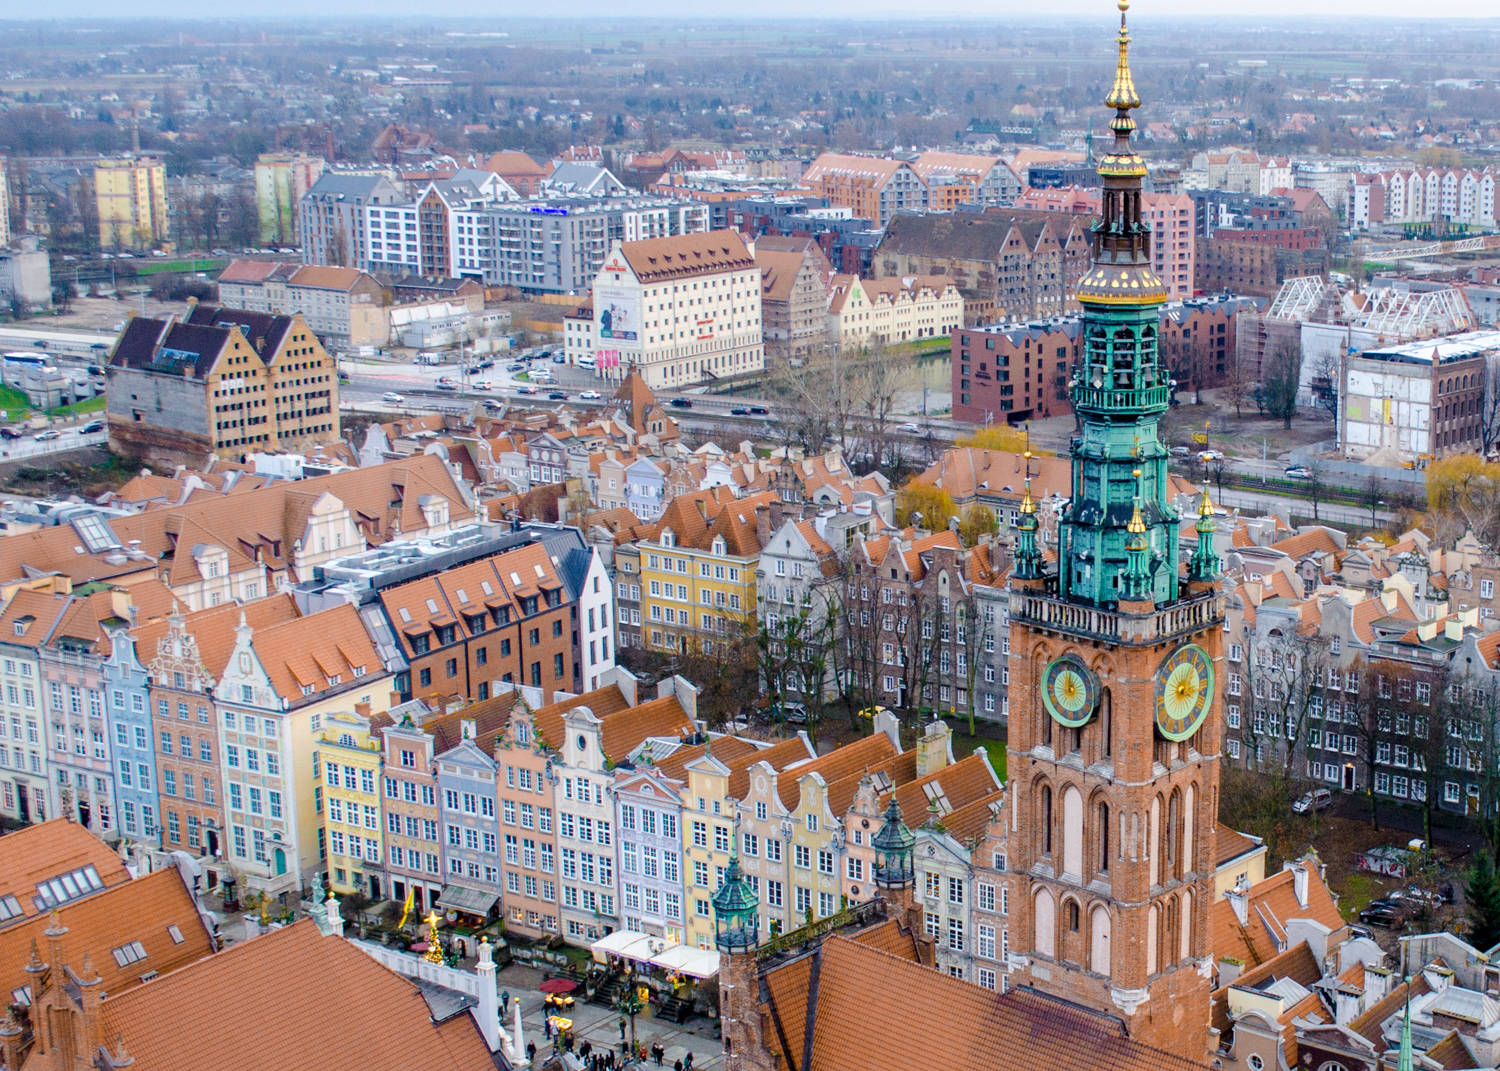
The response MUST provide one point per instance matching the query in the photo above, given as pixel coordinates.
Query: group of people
(600, 1059)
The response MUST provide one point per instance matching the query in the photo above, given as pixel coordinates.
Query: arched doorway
(280, 861)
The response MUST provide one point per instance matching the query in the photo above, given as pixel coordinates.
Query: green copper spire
(1028, 557)
(1118, 537)
(1205, 565)
(1403, 1060)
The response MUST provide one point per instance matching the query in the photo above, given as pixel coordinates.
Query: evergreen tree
(1483, 898)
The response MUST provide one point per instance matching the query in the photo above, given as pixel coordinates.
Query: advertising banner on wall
(615, 312)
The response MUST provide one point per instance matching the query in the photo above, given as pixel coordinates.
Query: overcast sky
(499, 12)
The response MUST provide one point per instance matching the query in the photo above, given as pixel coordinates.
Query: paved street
(600, 1025)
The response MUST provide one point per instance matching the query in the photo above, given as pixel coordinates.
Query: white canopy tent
(694, 962)
(656, 951)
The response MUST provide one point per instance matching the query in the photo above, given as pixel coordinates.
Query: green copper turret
(1120, 391)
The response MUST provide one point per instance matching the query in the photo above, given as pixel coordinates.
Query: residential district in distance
(1024, 598)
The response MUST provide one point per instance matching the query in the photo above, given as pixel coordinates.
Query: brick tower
(1114, 715)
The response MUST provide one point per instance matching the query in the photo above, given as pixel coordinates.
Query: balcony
(1121, 398)
(1045, 610)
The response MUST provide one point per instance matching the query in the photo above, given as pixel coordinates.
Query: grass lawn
(14, 403)
(88, 405)
(988, 736)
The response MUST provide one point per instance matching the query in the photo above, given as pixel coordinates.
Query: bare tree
(1282, 377)
(1489, 408)
(1239, 382)
(1371, 723)
(1286, 672)
(1325, 383)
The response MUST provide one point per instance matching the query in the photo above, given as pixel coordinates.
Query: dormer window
(668, 539)
(718, 546)
(307, 689)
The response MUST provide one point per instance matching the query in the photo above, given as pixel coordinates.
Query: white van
(586, 362)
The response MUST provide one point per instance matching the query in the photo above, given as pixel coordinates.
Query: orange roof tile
(298, 982)
(1007, 1030)
(33, 854)
(1272, 903)
(144, 911)
(836, 765)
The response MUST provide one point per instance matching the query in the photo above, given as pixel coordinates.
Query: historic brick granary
(1115, 726)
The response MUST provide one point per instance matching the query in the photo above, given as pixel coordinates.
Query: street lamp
(630, 1004)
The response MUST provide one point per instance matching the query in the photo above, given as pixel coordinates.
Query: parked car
(558, 395)
(449, 385)
(481, 384)
(1386, 918)
(680, 403)
(488, 362)
(739, 410)
(516, 366)
(91, 427)
(794, 713)
(40, 343)
(11, 433)
(390, 397)
(526, 388)
(759, 410)
(559, 357)
(48, 435)
(591, 395)
(908, 429)
(1298, 472)
(1319, 799)
(1179, 451)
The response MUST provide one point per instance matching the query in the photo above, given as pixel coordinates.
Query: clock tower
(1116, 654)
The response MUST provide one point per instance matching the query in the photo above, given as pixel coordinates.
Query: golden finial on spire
(1123, 96)
(1137, 525)
(1027, 505)
(1206, 507)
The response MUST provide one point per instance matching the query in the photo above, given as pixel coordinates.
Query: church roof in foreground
(854, 1004)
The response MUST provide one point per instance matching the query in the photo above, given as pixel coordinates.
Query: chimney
(1239, 900)
(762, 525)
(1299, 882)
(934, 747)
(362, 709)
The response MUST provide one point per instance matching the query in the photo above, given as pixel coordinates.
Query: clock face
(1070, 691)
(1184, 691)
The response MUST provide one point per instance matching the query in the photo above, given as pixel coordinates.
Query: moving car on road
(91, 427)
(908, 429)
(48, 435)
(1298, 472)
(680, 403)
(591, 395)
(558, 395)
(390, 397)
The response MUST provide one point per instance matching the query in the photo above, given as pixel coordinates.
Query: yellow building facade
(698, 570)
(350, 760)
(130, 195)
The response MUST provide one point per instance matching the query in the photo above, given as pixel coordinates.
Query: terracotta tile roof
(877, 168)
(1313, 541)
(298, 982)
(725, 748)
(467, 591)
(490, 717)
(624, 730)
(1370, 1024)
(133, 911)
(778, 271)
(1231, 844)
(1272, 903)
(326, 277)
(1010, 1030)
(1297, 963)
(303, 656)
(891, 938)
(1452, 1053)
(959, 784)
(698, 517)
(962, 164)
(898, 770)
(835, 766)
(247, 271)
(602, 701)
(969, 822)
(684, 256)
(214, 627)
(793, 749)
(33, 854)
(383, 499)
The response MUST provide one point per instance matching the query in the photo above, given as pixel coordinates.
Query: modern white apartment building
(679, 310)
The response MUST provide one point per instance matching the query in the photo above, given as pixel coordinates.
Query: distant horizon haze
(1146, 10)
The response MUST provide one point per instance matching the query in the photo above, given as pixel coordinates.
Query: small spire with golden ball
(1122, 96)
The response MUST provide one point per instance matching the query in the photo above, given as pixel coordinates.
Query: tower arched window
(1103, 835)
(1045, 819)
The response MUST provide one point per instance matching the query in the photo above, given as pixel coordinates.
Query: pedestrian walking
(677, 1066)
(530, 1051)
(622, 1029)
(688, 1061)
(658, 1053)
(585, 1049)
(504, 1000)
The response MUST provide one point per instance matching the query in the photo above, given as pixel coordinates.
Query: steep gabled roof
(38, 853)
